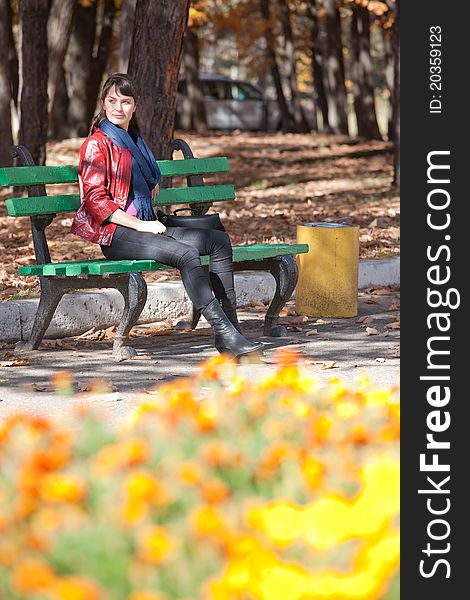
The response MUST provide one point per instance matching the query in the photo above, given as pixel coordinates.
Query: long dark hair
(125, 86)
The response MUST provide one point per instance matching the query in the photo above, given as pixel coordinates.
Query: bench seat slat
(98, 267)
(19, 176)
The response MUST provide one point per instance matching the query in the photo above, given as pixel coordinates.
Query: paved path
(164, 357)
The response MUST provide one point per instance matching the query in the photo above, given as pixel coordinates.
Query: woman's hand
(155, 191)
(152, 227)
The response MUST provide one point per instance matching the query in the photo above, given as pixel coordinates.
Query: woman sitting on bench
(118, 178)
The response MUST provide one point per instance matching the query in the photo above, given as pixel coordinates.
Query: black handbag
(210, 221)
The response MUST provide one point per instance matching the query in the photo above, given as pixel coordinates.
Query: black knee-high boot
(227, 338)
(222, 285)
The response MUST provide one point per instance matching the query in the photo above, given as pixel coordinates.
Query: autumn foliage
(218, 488)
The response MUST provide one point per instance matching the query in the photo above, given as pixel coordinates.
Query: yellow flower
(31, 576)
(190, 473)
(62, 488)
(147, 595)
(346, 410)
(143, 487)
(314, 472)
(142, 490)
(75, 588)
(208, 522)
(154, 545)
(283, 583)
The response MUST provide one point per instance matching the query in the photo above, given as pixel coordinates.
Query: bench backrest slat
(46, 205)
(41, 205)
(20, 176)
(24, 176)
(195, 194)
(193, 166)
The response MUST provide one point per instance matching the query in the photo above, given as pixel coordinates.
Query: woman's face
(118, 108)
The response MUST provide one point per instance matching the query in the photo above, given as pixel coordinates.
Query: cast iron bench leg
(134, 292)
(51, 293)
(285, 272)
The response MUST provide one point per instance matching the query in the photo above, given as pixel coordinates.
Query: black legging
(182, 248)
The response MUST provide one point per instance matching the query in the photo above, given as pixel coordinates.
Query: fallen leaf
(255, 303)
(324, 339)
(41, 388)
(321, 322)
(394, 325)
(85, 335)
(311, 332)
(365, 319)
(329, 364)
(385, 334)
(284, 312)
(295, 328)
(372, 331)
(380, 360)
(370, 301)
(310, 361)
(141, 357)
(394, 306)
(380, 222)
(300, 319)
(16, 362)
(58, 344)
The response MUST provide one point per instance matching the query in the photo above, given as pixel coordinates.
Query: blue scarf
(145, 171)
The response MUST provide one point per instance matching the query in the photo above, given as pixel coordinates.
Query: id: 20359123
(435, 69)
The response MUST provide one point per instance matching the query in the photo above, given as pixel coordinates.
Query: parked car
(233, 104)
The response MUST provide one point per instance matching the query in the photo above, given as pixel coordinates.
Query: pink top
(131, 210)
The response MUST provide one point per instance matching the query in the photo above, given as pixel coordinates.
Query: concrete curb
(80, 311)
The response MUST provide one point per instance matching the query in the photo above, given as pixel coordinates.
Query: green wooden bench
(56, 279)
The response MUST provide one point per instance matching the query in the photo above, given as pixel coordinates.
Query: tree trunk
(58, 125)
(317, 65)
(59, 28)
(288, 124)
(154, 64)
(193, 114)
(126, 26)
(389, 71)
(301, 123)
(364, 102)
(6, 140)
(33, 77)
(336, 94)
(396, 94)
(100, 61)
(78, 68)
(11, 54)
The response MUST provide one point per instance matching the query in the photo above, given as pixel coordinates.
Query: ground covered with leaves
(281, 181)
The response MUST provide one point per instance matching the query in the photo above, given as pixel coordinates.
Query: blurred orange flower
(31, 576)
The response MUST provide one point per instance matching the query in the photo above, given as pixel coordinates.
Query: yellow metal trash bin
(327, 285)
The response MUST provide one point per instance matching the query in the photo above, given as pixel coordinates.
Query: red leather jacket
(104, 178)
